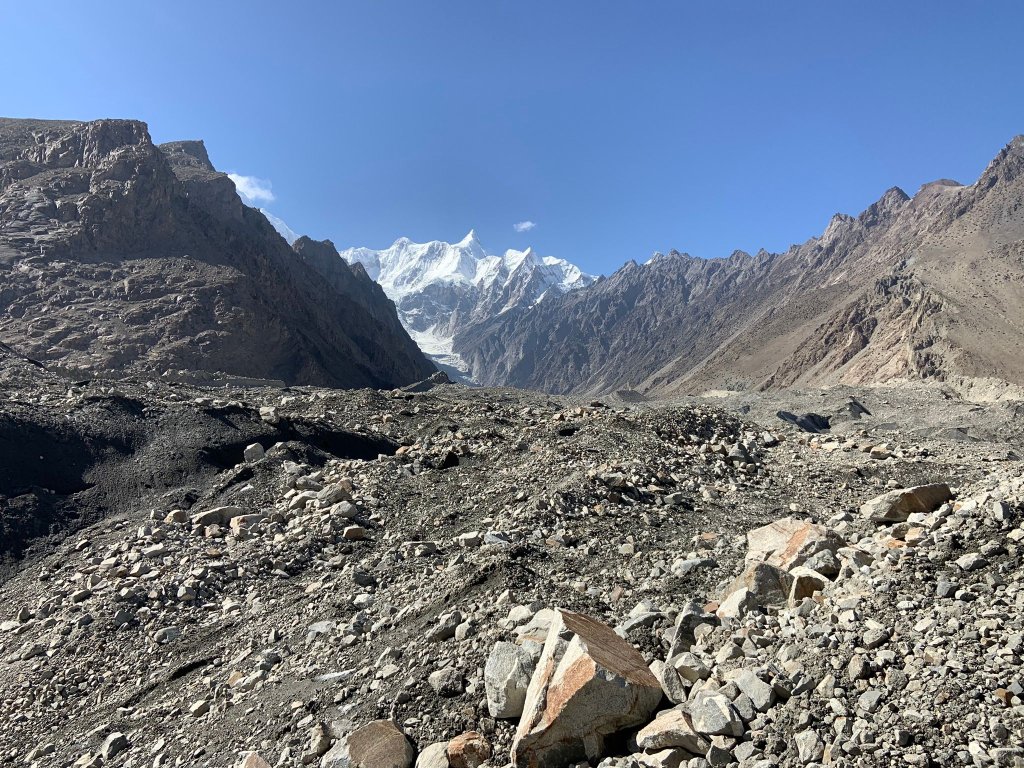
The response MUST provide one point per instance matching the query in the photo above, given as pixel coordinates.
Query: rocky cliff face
(922, 287)
(119, 254)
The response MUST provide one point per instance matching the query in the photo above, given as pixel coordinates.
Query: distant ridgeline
(929, 287)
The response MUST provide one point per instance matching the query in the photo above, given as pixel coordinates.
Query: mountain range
(121, 255)
(922, 287)
(202, 566)
(442, 289)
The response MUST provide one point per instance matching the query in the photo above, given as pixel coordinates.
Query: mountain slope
(289, 234)
(928, 287)
(442, 289)
(118, 254)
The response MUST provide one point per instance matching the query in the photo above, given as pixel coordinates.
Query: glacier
(440, 288)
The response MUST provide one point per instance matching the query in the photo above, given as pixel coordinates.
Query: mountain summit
(117, 255)
(442, 289)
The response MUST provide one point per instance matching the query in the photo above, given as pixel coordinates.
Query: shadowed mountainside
(119, 254)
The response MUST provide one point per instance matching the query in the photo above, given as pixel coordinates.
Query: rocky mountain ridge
(121, 255)
(912, 288)
(441, 289)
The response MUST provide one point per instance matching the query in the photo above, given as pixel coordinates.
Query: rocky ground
(435, 574)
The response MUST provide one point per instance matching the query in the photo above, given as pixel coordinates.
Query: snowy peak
(470, 241)
(283, 229)
(442, 288)
(407, 268)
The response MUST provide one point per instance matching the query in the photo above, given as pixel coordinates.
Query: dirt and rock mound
(75, 451)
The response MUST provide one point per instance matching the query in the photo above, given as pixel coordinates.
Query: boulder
(353, 533)
(468, 750)
(809, 747)
(506, 677)
(333, 494)
(344, 510)
(378, 744)
(433, 756)
(789, 542)
(671, 682)
(254, 760)
(897, 506)
(758, 586)
(588, 685)
(690, 667)
(217, 515)
(805, 583)
(672, 728)
(240, 524)
(319, 741)
(690, 617)
(665, 758)
(445, 628)
(737, 604)
(253, 452)
(446, 682)
(761, 694)
(113, 745)
(535, 627)
(713, 714)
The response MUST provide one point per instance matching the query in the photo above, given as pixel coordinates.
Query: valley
(757, 511)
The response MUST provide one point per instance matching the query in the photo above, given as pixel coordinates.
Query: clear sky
(617, 128)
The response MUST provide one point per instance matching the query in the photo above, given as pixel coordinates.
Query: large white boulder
(589, 684)
(897, 506)
(506, 678)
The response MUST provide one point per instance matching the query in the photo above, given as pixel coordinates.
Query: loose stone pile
(537, 582)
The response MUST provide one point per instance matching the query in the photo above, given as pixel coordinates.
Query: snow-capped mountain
(289, 234)
(442, 288)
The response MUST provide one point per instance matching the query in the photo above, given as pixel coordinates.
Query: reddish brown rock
(788, 542)
(468, 750)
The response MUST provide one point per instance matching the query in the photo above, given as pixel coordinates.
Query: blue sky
(617, 128)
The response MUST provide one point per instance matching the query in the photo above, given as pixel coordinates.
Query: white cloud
(252, 189)
(524, 226)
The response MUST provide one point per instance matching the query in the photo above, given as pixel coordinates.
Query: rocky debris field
(513, 579)
(75, 451)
